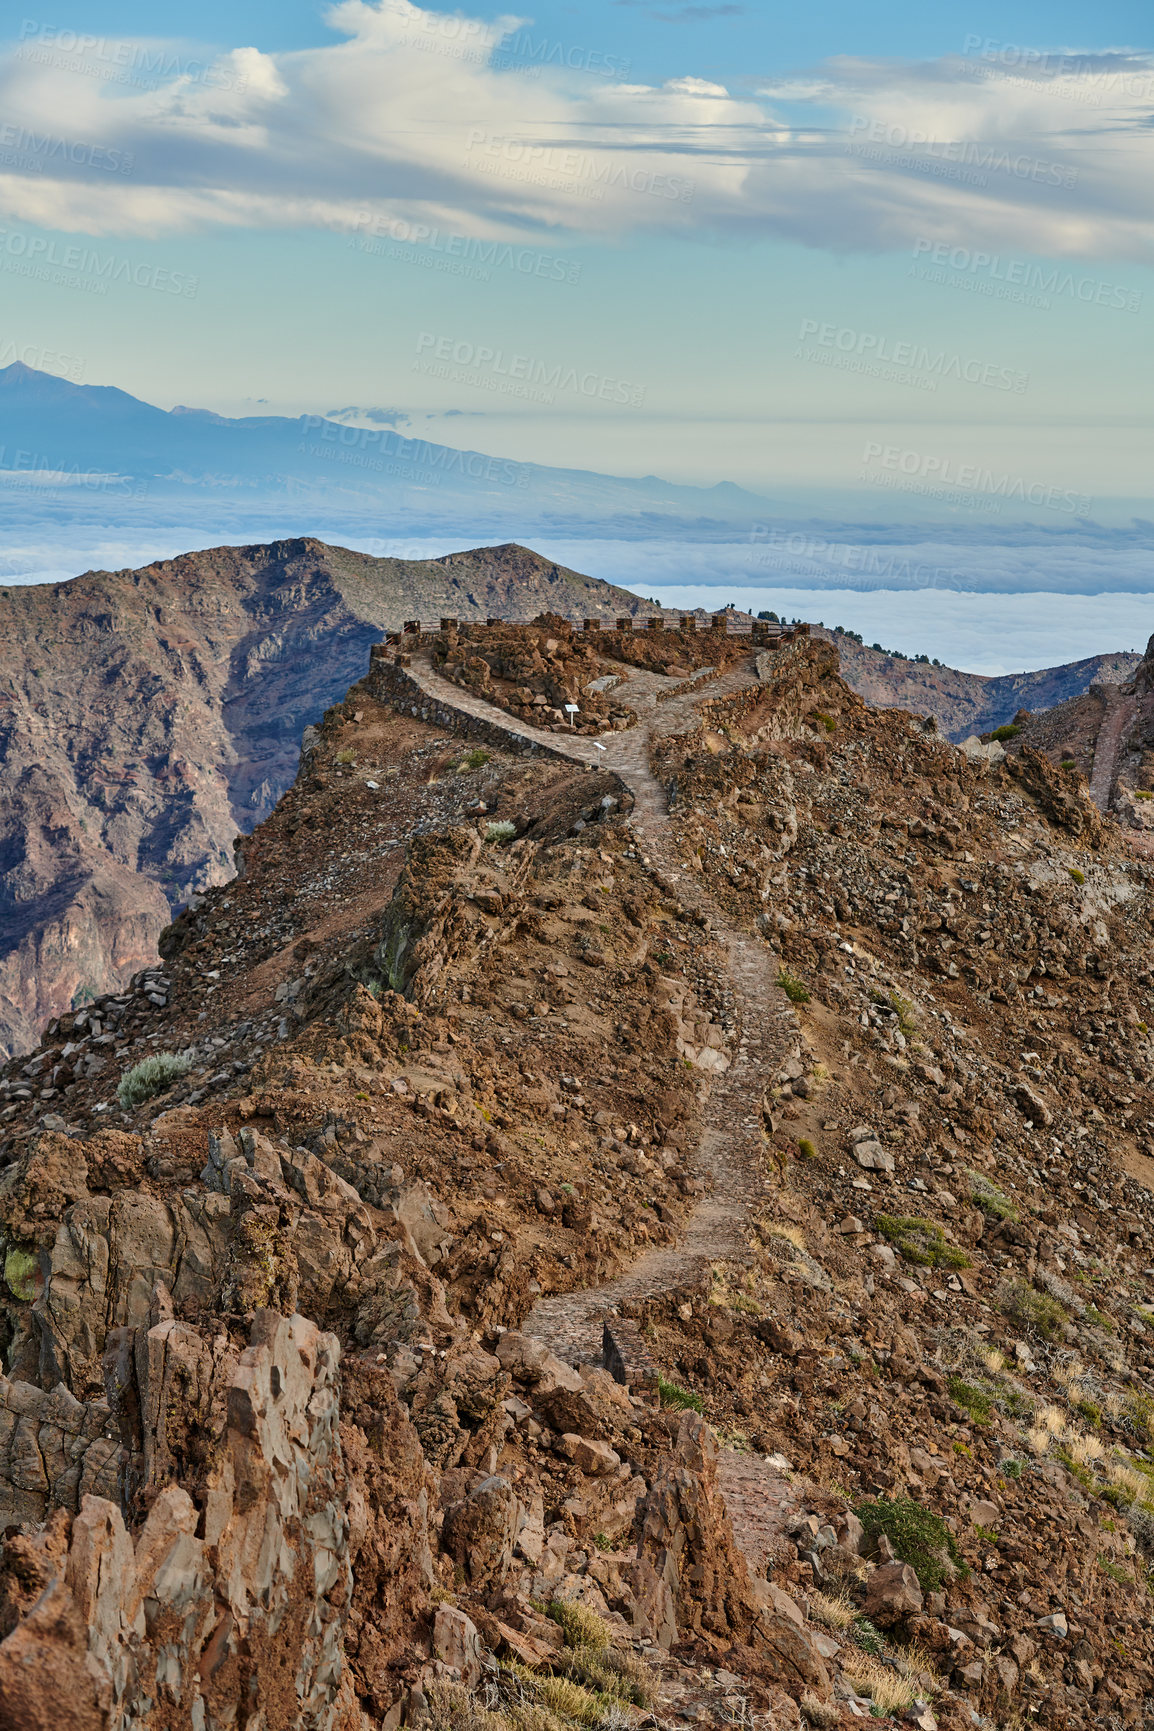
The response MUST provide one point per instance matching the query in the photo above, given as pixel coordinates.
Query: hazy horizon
(892, 274)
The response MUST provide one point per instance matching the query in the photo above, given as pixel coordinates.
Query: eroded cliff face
(662, 1236)
(147, 716)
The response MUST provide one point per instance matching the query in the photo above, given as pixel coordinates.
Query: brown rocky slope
(147, 716)
(784, 1063)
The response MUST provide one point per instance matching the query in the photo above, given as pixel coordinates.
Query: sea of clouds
(992, 607)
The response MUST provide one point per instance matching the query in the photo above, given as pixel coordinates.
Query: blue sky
(728, 40)
(844, 256)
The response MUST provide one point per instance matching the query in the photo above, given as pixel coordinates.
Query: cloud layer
(410, 119)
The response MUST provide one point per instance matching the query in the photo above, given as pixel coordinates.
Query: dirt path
(1120, 712)
(766, 1029)
(760, 1499)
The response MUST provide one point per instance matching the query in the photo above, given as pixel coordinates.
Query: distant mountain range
(74, 446)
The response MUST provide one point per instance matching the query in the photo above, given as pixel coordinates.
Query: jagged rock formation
(446, 1105)
(243, 1598)
(147, 716)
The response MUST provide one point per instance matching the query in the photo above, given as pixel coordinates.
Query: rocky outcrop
(202, 1607)
(695, 1580)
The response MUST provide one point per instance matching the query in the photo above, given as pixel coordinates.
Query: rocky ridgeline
(799, 1060)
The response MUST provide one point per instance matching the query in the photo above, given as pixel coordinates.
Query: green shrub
(975, 1400)
(672, 1395)
(919, 1538)
(1007, 731)
(985, 1195)
(868, 1637)
(502, 830)
(920, 1241)
(1067, 763)
(1012, 1469)
(1078, 876)
(826, 721)
(346, 756)
(151, 1076)
(793, 988)
(1034, 1312)
(806, 1149)
(20, 1268)
(475, 759)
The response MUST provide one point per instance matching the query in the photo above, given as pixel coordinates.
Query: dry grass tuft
(886, 1688)
(452, 1708)
(581, 1626)
(832, 1611)
(822, 1714)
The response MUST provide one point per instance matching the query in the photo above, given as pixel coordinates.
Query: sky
(854, 258)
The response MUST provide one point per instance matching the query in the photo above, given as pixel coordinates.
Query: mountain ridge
(666, 1229)
(148, 715)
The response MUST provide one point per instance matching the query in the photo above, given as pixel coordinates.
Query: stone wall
(389, 683)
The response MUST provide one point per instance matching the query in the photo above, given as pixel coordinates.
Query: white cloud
(405, 119)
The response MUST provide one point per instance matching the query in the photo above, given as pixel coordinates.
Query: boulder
(893, 1592)
(479, 1532)
(457, 1645)
(872, 1157)
(596, 1459)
